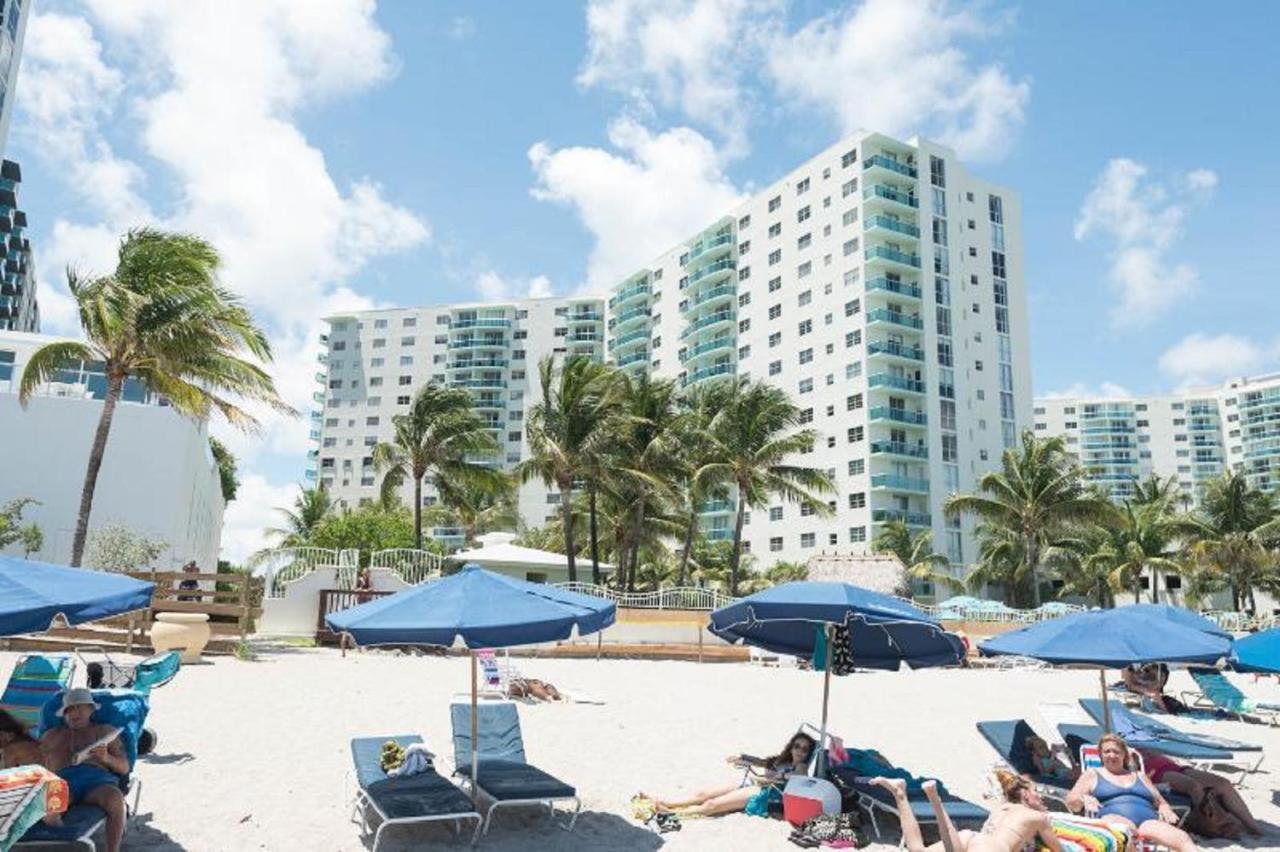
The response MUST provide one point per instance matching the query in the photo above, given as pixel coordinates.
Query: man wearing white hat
(90, 758)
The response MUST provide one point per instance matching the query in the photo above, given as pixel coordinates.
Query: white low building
(158, 476)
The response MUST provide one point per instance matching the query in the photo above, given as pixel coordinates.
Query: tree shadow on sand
(141, 834)
(167, 759)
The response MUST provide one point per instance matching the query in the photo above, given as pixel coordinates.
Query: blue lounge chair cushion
(960, 810)
(1123, 719)
(1172, 748)
(423, 794)
(35, 680)
(507, 780)
(121, 708)
(156, 670)
(78, 821)
(864, 762)
(498, 726)
(1009, 739)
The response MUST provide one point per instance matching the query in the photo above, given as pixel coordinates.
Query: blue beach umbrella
(478, 609)
(33, 594)
(796, 618)
(1258, 652)
(1180, 615)
(1110, 638)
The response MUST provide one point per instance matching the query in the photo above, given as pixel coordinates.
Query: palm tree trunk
(1155, 585)
(689, 532)
(566, 518)
(735, 556)
(595, 540)
(96, 452)
(637, 530)
(1033, 567)
(417, 512)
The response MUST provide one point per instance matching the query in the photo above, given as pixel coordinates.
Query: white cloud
(1200, 359)
(897, 66)
(494, 287)
(654, 191)
(1080, 390)
(1142, 219)
(251, 511)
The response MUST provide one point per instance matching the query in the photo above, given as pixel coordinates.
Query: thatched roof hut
(880, 572)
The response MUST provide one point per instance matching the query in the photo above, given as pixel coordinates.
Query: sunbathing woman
(730, 798)
(1012, 827)
(1127, 798)
(17, 747)
(1195, 783)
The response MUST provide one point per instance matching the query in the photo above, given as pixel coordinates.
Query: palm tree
(915, 552)
(1229, 536)
(1141, 543)
(1039, 494)
(477, 507)
(1085, 565)
(309, 508)
(162, 320)
(440, 435)
(566, 428)
(752, 437)
(694, 450)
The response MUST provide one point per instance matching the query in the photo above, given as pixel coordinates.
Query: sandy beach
(252, 755)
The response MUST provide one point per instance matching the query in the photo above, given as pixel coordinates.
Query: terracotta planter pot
(187, 632)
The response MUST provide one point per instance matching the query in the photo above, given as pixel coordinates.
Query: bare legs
(912, 837)
(1166, 835)
(1194, 783)
(111, 800)
(711, 801)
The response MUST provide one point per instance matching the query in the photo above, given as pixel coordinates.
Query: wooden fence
(232, 601)
(336, 600)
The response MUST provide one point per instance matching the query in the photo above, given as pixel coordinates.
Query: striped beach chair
(35, 679)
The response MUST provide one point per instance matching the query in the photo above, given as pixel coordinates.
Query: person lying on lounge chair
(1044, 757)
(1014, 826)
(730, 798)
(1195, 784)
(523, 687)
(92, 769)
(1149, 681)
(1130, 799)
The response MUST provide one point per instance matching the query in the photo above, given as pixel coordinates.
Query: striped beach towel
(1082, 835)
(35, 679)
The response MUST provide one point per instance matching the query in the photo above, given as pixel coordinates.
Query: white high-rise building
(158, 475)
(13, 29)
(881, 285)
(1193, 434)
(374, 361)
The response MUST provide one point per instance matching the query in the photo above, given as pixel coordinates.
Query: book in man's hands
(106, 739)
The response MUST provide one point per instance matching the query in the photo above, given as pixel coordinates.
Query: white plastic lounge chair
(505, 777)
(414, 799)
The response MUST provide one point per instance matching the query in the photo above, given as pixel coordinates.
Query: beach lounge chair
(1009, 739)
(505, 775)
(36, 678)
(1218, 693)
(424, 797)
(1201, 757)
(1132, 724)
(126, 710)
(875, 799)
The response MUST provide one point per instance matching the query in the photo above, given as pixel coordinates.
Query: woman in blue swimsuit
(1119, 795)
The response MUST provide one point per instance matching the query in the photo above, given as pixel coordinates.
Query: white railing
(283, 566)
(412, 565)
(998, 615)
(687, 597)
(1240, 622)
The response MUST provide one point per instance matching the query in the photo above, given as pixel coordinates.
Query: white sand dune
(252, 755)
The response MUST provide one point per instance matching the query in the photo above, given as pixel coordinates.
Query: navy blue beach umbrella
(1258, 652)
(795, 618)
(34, 594)
(478, 609)
(1112, 638)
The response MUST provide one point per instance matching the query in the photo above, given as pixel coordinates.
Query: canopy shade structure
(1259, 652)
(507, 556)
(479, 608)
(34, 594)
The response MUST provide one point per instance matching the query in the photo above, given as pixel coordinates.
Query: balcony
(585, 316)
(897, 318)
(892, 255)
(625, 295)
(313, 454)
(716, 507)
(714, 345)
(633, 358)
(630, 316)
(893, 285)
(892, 348)
(718, 534)
(894, 482)
(724, 291)
(479, 322)
(479, 343)
(710, 244)
(318, 397)
(708, 321)
(479, 383)
(314, 435)
(902, 383)
(880, 161)
(584, 338)
(477, 364)
(898, 415)
(899, 448)
(322, 378)
(883, 192)
(322, 358)
(488, 402)
(711, 373)
(888, 223)
(912, 519)
(725, 265)
(630, 337)
(317, 416)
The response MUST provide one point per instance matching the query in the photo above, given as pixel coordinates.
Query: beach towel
(1087, 835)
(24, 811)
(869, 764)
(416, 759)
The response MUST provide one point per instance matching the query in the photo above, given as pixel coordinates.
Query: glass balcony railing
(913, 519)
(726, 342)
(321, 378)
(633, 314)
(584, 316)
(711, 372)
(714, 293)
(700, 248)
(899, 483)
(895, 317)
(629, 293)
(715, 507)
(633, 358)
(479, 343)
(898, 350)
(478, 383)
(902, 383)
(314, 434)
(584, 338)
(477, 363)
(630, 337)
(479, 322)
(898, 415)
(899, 448)
(718, 534)
(892, 285)
(879, 190)
(710, 269)
(891, 224)
(892, 254)
(318, 396)
(705, 322)
(881, 161)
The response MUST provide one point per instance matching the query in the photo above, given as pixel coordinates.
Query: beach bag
(1211, 819)
(840, 831)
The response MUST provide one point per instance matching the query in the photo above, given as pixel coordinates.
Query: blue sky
(343, 154)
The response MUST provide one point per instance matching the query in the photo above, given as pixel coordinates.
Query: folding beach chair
(1130, 723)
(123, 709)
(35, 679)
(505, 775)
(1219, 693)
(142, 676)
(875, 799)
(1009, 739)
(419, 798)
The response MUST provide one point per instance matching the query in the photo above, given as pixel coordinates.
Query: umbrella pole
(1106, 704)
(475, 729)
(826, 697)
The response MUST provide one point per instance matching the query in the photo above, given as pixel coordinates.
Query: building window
(857, 535)
(806, 355)
(775, 203)
(853, 403)
(857, 467)
(775, 513)
(806, 539)
(775, 367)
(775, 311)
(775, 544)
(775, 339)
(805, 327)
(806, 385)
(854, 434)
(858, 500)
(775, 257)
